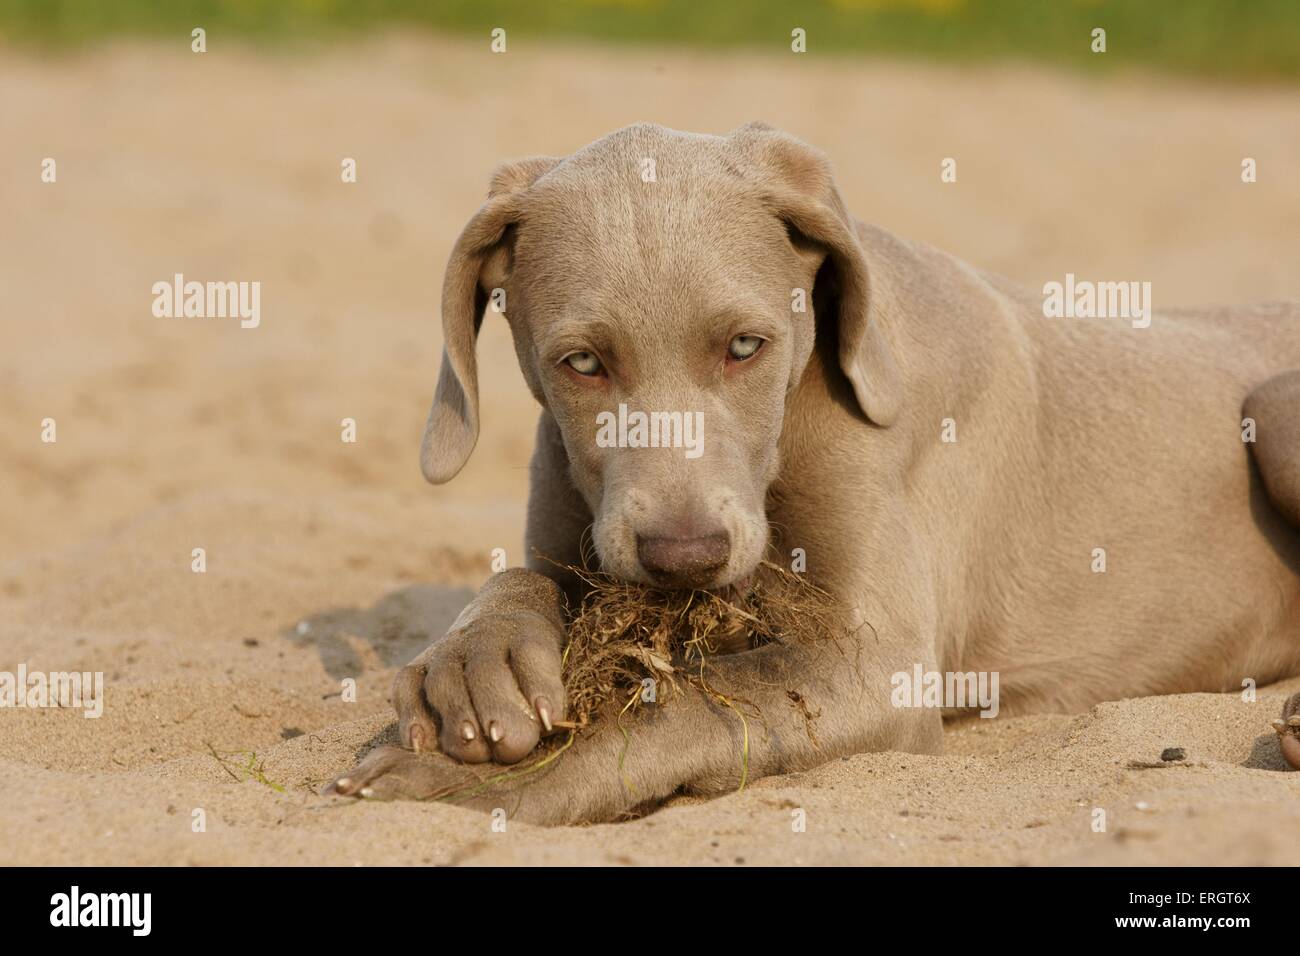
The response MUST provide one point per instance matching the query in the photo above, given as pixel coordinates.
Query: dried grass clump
(624, 633)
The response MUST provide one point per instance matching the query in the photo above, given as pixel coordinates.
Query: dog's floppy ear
(795, 181)
(479, 262)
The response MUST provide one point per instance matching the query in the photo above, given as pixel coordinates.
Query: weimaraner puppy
(1079, 505)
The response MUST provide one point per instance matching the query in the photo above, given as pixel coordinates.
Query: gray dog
(1093, 509)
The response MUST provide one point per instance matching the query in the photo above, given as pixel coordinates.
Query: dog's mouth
(738, 590)
(734, 593)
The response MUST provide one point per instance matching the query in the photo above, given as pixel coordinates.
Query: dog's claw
(342, 787)
(544, 712)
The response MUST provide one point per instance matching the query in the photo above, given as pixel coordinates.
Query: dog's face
(658, 313)
(661, 306)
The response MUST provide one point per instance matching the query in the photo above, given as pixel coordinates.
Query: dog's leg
(1275, 407)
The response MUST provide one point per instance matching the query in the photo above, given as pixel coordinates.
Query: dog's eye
(584, 363)
(744, 346)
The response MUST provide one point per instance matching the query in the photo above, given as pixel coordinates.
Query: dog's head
(660, 291)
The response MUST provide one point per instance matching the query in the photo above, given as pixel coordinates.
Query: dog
(1091, 509)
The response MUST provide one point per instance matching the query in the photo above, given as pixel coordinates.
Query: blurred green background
(1236, 39)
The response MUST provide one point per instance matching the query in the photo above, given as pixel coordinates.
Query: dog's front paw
(487, 691)
(548, 793)
(390, 773)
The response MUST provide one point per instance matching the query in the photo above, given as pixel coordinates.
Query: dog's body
(1097, 529)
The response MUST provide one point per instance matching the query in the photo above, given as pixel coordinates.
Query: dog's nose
(684, 562)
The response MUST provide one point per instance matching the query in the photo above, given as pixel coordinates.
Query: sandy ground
(328, 560)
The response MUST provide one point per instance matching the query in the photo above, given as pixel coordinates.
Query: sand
(328, 561)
